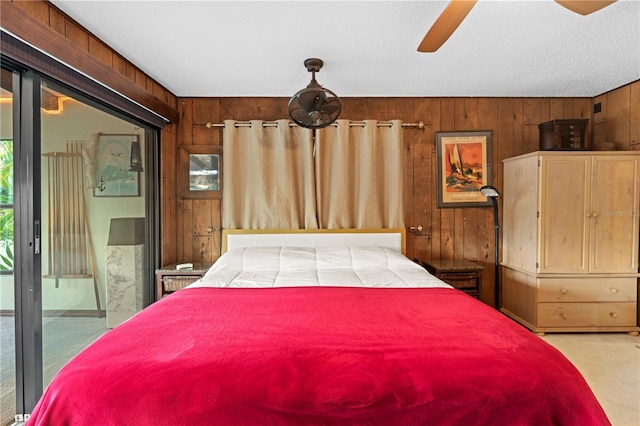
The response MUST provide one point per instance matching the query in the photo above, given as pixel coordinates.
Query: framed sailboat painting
(463, 166)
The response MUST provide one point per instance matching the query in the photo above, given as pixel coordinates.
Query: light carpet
(610, 363)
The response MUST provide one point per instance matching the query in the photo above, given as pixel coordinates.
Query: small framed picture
(201, 171)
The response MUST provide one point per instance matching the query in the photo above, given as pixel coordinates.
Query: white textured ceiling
(257, 48)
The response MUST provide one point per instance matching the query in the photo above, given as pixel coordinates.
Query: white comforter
(309, 267)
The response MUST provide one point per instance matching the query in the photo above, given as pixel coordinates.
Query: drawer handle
(613, 315)
(614, 290)
(564, 291)
(563, 316)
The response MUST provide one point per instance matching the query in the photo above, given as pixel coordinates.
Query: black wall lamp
(491, 192)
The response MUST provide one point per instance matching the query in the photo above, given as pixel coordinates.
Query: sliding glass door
(19, 292)
(79, 229)
(7, 299)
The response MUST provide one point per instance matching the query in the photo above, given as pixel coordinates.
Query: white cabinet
(570, 240)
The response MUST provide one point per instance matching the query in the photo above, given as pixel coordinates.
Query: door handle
(416, 229)
(36, 237)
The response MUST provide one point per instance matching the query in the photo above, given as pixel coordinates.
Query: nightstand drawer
(464, 275)
(168, 279)
(177, 282)
(460, 280)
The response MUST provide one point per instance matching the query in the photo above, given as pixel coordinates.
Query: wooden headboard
(394, 238)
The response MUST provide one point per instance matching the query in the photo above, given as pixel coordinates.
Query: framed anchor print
(112, 164)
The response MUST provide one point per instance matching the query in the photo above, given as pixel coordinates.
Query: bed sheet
(324, 266)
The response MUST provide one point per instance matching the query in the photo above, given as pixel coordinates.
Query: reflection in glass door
(92, 222)
(7, 305)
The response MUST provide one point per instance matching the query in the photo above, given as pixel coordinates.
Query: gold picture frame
(463, 167)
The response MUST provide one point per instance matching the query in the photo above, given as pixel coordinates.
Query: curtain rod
(209, 125)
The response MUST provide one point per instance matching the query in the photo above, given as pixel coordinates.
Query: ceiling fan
(457, 10)
(314, 107)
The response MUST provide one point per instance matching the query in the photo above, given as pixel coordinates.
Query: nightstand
(168, 279)
(464, 275)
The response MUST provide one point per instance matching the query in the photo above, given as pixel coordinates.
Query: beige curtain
(268, 177)
(359, 175)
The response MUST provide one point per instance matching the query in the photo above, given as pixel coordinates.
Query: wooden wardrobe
(570, 240)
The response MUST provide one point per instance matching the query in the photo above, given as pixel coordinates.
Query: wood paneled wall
(447, 233)
(618, 120)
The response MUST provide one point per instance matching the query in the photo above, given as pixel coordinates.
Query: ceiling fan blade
(446, 24)
(299, 115)
(585, 7)
(307, 99)
(329, 108)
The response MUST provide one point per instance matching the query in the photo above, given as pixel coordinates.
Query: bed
(330, 328)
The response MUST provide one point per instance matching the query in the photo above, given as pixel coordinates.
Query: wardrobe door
(614, 214)
(564, 214)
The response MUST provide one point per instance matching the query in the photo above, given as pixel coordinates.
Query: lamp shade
(489, 191)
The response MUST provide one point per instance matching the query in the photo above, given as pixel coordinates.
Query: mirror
(204, 172)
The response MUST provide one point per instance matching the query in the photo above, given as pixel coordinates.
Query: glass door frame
(26, 87)
(27, 271)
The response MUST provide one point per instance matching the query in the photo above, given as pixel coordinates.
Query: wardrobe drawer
(587, 290)
(586, 314)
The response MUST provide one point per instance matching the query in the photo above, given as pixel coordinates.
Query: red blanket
(318, 356)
